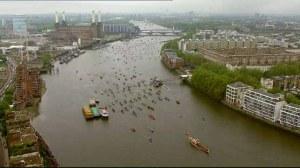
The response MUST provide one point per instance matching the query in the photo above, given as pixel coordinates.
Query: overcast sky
(203, 6)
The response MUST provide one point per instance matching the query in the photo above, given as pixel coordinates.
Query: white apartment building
(263, 104)
(290, 115)
(267, 83)
(235, 93)
(217, 44)
(181, 45)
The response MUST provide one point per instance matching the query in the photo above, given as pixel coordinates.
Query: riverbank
(277, 125)
(49, 159)
(46, 153)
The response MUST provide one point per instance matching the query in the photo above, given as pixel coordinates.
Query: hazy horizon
(228, 7)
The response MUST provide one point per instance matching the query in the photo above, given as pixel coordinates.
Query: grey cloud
(202, 6)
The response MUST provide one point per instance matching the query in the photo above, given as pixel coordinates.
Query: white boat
(81, 52)
(92, 103)
(104, 113)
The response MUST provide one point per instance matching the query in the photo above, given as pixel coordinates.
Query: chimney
(93, 17)
(56, 17)
(63, 16)
(99, 16)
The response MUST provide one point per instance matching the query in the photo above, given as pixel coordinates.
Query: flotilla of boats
(93, 110)
(156, 82)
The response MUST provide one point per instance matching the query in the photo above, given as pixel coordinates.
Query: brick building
(28, 86)
(84, 34)
(171, 60)
(249, 56)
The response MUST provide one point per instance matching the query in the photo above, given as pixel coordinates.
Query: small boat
(81, 52)
(151, 116)
(92, 103)
(86, 110)
(104, 113)
(195, 142)
(75, 54)
(95, 112)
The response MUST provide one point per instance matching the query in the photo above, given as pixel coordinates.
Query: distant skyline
(285, 7)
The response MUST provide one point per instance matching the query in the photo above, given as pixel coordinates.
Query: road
(11, 74)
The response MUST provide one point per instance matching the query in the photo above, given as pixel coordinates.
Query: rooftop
(21, 137)
(27, 160)
(238, 84)
(285, 77)
(261, 91)
(293, 105)
(171, 54)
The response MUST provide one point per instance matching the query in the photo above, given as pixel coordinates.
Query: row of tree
(212, 78)
(284, 69)
(4, 106)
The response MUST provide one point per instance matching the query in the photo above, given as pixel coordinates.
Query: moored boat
(95, 112)
(81, 52)
(104, 113)
(75, 54)
(86, 110)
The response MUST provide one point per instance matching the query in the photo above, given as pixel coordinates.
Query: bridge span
(160, 32)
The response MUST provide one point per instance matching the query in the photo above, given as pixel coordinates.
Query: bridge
(160, 32)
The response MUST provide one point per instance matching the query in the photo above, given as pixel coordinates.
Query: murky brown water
(233, 138)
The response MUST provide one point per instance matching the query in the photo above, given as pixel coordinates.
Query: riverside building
(290, 115)
(263, 104)
(255, 101)
(171, 60)
(235, 93)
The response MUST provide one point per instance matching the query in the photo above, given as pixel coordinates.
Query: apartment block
(28, 86)
(235, 93)
(26, 160)
(22, 141)
(263, 104)
(290, 115)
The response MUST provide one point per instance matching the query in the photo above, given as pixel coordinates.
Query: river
(233, 138)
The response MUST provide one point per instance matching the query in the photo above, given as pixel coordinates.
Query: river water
(233, 138)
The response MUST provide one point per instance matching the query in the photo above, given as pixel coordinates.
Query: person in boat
(195, 141)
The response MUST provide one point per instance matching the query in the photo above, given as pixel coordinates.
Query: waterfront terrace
(17, 119)
(290, 115)
(26, 160)
(235, 92)
(22, 140)
(263, 104)
(23, 146)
